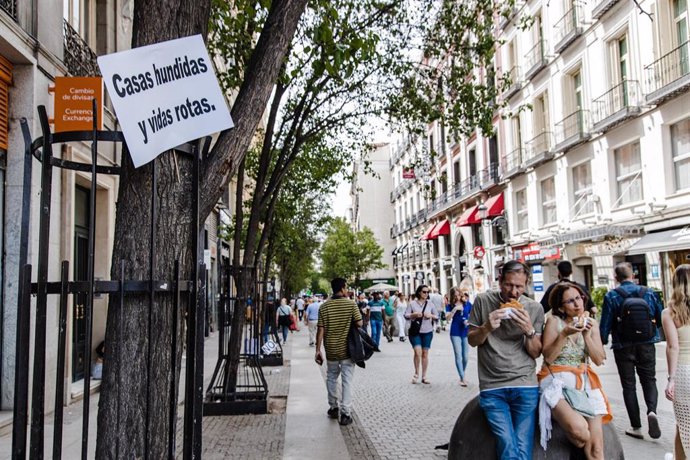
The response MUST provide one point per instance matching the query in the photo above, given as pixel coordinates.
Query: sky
(341, 201)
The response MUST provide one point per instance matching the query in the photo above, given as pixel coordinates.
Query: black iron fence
(173, 287)
(539, 144)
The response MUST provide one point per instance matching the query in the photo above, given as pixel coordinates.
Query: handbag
(416, 324)
(577, 399)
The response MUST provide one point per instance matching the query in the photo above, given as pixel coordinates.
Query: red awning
(494, 205)
(468, 217)
(428, 231)
(442, 228)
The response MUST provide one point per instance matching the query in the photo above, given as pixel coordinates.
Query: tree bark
(136, 393)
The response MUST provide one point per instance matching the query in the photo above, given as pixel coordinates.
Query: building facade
(590, 160)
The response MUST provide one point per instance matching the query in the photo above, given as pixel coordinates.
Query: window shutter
(5, 82)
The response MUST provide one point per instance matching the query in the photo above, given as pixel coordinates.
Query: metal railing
(568, 27)
(573, 126)
(535, 58)
(513, 160)
(624, 95)
(669, 68)
(513, 78)
(79, 58)
(9, 7)
(539, 144)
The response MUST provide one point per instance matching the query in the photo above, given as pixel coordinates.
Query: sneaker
(653, 422)
(345, 420)
(402, 339)
(634, 433)
(333, 412)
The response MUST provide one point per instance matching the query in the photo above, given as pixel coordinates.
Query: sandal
(463, 383)
(425, 381)
(414, 378)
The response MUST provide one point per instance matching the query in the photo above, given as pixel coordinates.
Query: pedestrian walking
(400, 308)
(565, 270)
(571, 339)
(506, 327)
(336, 316)
(311, 318)
(363, 305)
(676, 323)
(458, 313)
(389, 322)
(631, 315)
(300, 308)
(436, 299)
(421, 314)
(284, 318)
(376, 307)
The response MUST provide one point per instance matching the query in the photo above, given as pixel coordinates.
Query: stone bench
(472, 438)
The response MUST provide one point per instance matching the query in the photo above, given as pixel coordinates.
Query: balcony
(514, 81)
(572, 130)
(538, 149)
(535, 60)
(507, 16)
(9, 7)
(488, 177)
(602, 7)
(80, 60)
(512, 163)
(568, 28)
(668, 75)
(616, 105)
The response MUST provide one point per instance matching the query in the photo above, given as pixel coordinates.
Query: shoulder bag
(416, 324)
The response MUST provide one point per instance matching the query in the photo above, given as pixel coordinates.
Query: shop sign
(534, 252)
(408, 173)
(406, 277)
(538, 286)
(73, 106)
(654, 270)
(479, 252)
(419, 276)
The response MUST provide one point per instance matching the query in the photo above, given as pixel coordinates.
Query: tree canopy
(349, 253)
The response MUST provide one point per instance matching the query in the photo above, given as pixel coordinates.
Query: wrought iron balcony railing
(572, 130)
(602, 7)
(9, 7)
(535, 59)
(668, 75)
(488, 176)
(80, 59)
(512, 162)
(568, 28)
(538, 148)
(514, 82)
(616, 105)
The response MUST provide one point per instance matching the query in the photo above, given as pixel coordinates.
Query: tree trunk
(136, 390)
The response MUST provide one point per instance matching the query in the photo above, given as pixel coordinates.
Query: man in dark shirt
(565, 269)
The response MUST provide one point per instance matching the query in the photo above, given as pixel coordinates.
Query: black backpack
(636, 322)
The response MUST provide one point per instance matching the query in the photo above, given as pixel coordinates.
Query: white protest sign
(164, 95)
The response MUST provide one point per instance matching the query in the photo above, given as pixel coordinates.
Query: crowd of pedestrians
(511, 332)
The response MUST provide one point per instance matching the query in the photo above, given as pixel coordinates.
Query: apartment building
(590, 161)
(370, 208)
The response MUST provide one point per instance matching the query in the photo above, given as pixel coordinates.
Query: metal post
(200, 279)
(21, 369)
(120, 353)
(89, 296)
(60, 373)
(39, 373)
(173, 365)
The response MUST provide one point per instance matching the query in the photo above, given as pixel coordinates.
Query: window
(577, 90)
(548, 201)
(540, 114)
(521, 210)
(456, 172)
(680, 146)
(680, 26)
(516, 131)
(628, 174)
(582, 188)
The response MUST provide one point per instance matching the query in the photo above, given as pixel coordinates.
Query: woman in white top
(420, 309)
(400, 315)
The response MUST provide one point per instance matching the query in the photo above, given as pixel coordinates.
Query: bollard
(472, 438)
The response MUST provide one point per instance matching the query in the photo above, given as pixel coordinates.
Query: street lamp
(483, 214)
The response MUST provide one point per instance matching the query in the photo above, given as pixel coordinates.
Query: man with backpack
(632, 315)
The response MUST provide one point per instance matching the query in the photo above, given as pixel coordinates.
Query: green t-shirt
(503, 360)
(390, 311)
(335, 316)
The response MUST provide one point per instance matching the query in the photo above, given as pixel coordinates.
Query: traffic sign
(479, 252)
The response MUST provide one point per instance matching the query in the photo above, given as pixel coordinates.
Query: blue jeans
(512, 415)
(285, 330)
(376, 325)
(461, 350)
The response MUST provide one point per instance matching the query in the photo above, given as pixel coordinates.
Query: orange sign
(73, 97)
